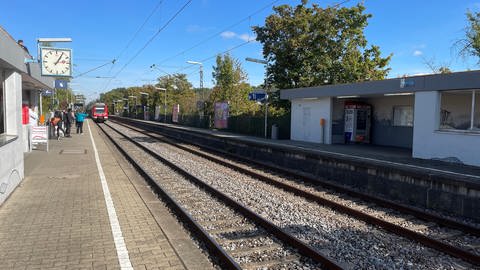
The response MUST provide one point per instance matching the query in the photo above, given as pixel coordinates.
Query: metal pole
(260, 61)
(266, 113)
(201, 81)
(266, 106)
(165, 119)
(40, 105)
(472, 114)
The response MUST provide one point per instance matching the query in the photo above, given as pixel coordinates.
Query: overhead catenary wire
(219, 32)
(95, 68)
(139, 29)
(225, 29)
(133, 38)
(205, 40)
(154, 36)
(151, 39)
(215, 55)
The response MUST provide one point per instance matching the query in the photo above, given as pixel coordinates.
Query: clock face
(56, 62)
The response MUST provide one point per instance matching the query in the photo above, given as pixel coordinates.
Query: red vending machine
(25, 114)
(357, 122)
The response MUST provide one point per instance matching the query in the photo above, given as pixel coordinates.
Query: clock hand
(58, 60)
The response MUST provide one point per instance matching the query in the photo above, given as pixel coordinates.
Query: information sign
(257, 96)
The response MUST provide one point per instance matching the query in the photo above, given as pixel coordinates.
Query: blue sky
(413, 31)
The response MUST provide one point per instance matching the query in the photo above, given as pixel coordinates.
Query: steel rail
(396, 229)
(281, 234)
(421, 214)
(211, 244)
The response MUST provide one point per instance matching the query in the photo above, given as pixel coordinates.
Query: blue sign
(257, 96)
(406, 83)
(47, 93)
(61, 84)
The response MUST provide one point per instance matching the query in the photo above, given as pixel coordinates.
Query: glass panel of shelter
(476, 116)
(456, 110)
(2, 107)
(403, 116)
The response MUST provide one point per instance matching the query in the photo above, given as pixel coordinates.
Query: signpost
(47, 93)
(257, 96)
(261, 98)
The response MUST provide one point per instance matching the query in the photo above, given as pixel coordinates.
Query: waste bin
(274, 132)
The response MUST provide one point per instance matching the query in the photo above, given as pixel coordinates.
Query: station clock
(56, 62)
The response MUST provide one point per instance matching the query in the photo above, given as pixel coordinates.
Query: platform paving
(57, 217)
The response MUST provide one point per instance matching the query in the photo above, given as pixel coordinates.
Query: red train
(99, 112)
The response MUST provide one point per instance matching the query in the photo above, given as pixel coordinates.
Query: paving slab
(57, 218)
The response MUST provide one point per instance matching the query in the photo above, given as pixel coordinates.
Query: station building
(20, 85)
(436, 116)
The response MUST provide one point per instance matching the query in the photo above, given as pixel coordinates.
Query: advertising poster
(157, 113)
(221, 115)
(175, 113)
(39, 135)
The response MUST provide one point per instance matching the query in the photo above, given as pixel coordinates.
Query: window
(460, 110)
(403, 116)
(99, 110)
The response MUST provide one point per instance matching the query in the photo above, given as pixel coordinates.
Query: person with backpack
(79, 118)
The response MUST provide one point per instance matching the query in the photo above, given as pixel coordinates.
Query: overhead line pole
(264, 62)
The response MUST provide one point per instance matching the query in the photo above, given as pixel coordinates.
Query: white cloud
(246, 37)
(417, 53)
(228, 34)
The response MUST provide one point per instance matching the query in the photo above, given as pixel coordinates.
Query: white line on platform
(122, 251)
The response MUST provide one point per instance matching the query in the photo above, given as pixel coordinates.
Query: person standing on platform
(57, 121)
(33, 116)
(68, 122)
(79, 118)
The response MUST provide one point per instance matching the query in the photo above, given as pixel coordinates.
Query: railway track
(453, 242)
(236, 235)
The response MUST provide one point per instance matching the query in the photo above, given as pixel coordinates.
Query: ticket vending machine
(357, 122)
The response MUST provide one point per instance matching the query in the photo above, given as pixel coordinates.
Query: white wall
(11, 154)
(429, 143)
(305, 121)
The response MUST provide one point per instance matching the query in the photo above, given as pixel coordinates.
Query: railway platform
(82, 206)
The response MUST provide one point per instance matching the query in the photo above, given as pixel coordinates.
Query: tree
(436, 69)
(470, 45)
(310, 46)
(179, 91)
(230, 85)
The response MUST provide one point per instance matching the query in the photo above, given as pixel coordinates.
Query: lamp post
(115, 102)
(135, 97)
(201, 75)
(165, 101)
(128, 105)
(145, 107)
(114, 107)
(261, 61)
(153, 66)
